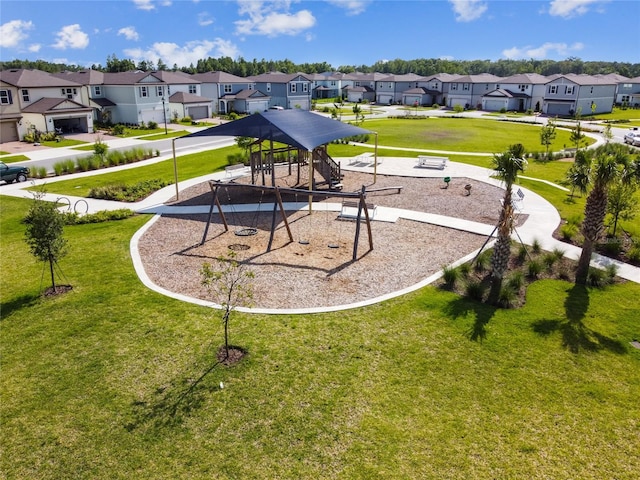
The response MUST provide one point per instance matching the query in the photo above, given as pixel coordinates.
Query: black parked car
(13, 173)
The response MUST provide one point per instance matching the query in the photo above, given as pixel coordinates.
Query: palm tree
(507, 165)
(605, 170)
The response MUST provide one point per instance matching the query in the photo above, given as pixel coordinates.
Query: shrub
(458, 108)
(523, 253)
(534, 268)
(482, 261)
(435, 105)
(464, 269)
(503, 110)
(612, 271)
(507, 297)
(535, 246)
(127, 193)
(152, 125)
(118, 129)
(98, 217)
(549, 259)
(186, 119)
(58, 169)
(115, 158)
(83, 164)
(634, 253)
(516, 281)
(597, 277)
(450, 275)
(558, 253)
(568, 231)
(612, 246)
(474, 289)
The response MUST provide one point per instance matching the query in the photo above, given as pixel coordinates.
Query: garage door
(559, 108)
(197, 113)
(8, 132)
(494, 105)
(385, 99)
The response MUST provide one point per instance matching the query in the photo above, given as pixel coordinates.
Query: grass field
(114, 381)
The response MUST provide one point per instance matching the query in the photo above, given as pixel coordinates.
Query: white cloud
(71, 37)
(570, 8)
(272, 19)
(129, 33)
(543, 51)
(150, 5)
(353, 7)
(204, 19)
(468, 10)
(13, 32)
(191, 52)
(35, 48)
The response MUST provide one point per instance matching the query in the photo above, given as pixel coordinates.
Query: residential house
(286, 90)
(628, 92)
(518, 93)
(46, 104)
(326, 85)
(567, 95)
(361, 87)
(468, 90)
(230, 93)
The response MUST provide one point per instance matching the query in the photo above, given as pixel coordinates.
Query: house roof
(298, 128)
(246, 94)
(503, 92)
(277, 77)
(183, 97)
(48, 105)
(480, 78)
(103, 102)
(83, 77)
(219, 77)
(525, 78)
(585, 79)
(135, 77)
(419, 91)
(23, 78)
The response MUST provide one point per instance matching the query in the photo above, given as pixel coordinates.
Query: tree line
(422, 66)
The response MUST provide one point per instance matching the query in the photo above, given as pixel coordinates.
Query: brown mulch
(294, 275)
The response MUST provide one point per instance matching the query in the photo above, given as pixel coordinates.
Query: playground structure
(357, 198)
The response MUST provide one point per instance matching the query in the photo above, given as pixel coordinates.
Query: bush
(475, 290)
(38, 172)
(612, 246)
(435, 105)
(516, 281)
(523, 253)
(482, 261)
(450, 275)
(534, 268)
(634, 253)
(549, 259)
(152, 125)
(83, 164)
(597, 277)
(465, 269)
(118, 129)
(535, 246)
(186, 119)
(97, 217)
(507, 297)
(115, 158)
(458, 108)
(568, 231)
(127, 193)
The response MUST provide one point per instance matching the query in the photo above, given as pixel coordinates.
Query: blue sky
(339, 32)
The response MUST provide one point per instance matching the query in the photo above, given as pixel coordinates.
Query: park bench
(350, 209)
(362, 158)
(236, 170)
(427, 161)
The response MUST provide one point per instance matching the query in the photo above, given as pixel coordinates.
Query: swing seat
(246, 232)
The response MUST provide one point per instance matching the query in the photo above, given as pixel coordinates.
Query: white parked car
(633, 138)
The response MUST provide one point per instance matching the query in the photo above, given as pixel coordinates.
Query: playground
(314, 267)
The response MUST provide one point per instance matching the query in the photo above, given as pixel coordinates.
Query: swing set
(278, 205)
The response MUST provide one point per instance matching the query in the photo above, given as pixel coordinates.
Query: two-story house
(361, 87)
(519, 93)
(287, 90)
(468, 90)
(230, 93)
(326, 85)
(568, 95)
(46, 103)
(628, 92)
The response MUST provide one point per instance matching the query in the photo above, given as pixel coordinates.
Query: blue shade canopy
(298, 128)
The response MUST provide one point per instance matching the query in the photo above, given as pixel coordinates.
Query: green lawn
(9, 158)
(461, 134)
(189, 166)
(64, 142)
(114, 381)
(169, 134)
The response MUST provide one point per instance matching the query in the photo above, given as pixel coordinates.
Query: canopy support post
(175, 167)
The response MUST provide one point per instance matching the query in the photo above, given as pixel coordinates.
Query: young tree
(44, 233)
(245, 144)
(230, 286)
(507, 166)
(577, 136)
(607, 134)
(578, 174)
(622, 203)
(548, 135)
